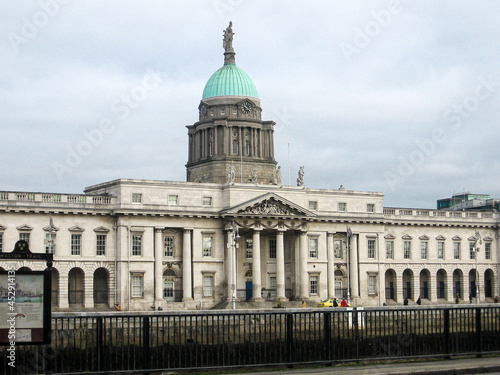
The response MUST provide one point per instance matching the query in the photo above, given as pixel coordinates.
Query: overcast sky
(399, 97)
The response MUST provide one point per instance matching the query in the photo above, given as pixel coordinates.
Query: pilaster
(187, 266)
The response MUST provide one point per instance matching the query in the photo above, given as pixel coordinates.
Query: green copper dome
(230, 80)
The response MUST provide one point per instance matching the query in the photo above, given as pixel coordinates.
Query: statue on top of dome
(228, 38)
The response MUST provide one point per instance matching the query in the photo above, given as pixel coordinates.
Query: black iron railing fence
(127, 342)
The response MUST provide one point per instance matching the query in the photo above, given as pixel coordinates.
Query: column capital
(187, 230)
(331, 234)
(157, 229)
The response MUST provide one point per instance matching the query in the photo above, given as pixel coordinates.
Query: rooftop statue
(228, 38)
(227, 43)
(300, 179)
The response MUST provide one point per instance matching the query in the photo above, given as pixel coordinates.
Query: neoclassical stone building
(234, 231)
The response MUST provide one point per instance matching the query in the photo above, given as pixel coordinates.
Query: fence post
(145, 343)
(99, 342)
(446, 328)
(289, 339)
(478, 332)
(356, 330)
(328, 334)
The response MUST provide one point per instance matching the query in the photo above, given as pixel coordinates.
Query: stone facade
(170, 244)
(233, 231)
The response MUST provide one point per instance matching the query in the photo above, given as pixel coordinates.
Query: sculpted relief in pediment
(269, 207)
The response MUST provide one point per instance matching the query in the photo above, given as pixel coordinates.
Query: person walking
(419, 301)
(343, 303)
(406, 301)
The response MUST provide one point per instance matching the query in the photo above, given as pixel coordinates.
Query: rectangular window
(101, 244)
(472, 250)
(342, 207)
(137, 286)
(313, 285)
(173, 200)
(370, 208)
(456, 250)
(313, 205)
(207, 201)
(25, 236)
(313, 247)
(50, 243)
(423, 249)
(168, 246)
(272, 248)
(407, 250)
(372, 284)
(249, 249)
(76, 244)
(208, 286)
(337, 249)
(136, 198)
(389, 249)
(440, 250)
(272, 285)
(487, 249)
(208, 242)
(371, 249)
(137, 244)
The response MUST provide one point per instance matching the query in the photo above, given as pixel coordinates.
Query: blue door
(249, 290)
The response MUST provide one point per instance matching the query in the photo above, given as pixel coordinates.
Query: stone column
(304, 294)
(257, 276)
(187, 266)
(158, 267)
(280, 265)
(229, 264)
(353, 267)
(433, 287)
(331, 266)
(399, 288)
(296, 292)
(88, 290)
(63, 290)
(449, 288)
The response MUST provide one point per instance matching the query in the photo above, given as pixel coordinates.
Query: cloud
(348, 122)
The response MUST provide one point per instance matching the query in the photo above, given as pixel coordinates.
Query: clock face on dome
(246, 107)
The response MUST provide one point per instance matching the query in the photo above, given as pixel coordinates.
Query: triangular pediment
(407, 237)
(424, 238)
(24, 227)
(270, 204)
(440, 238)
(457, 238)
(389, 237)
(2, 227)
(76, 228)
